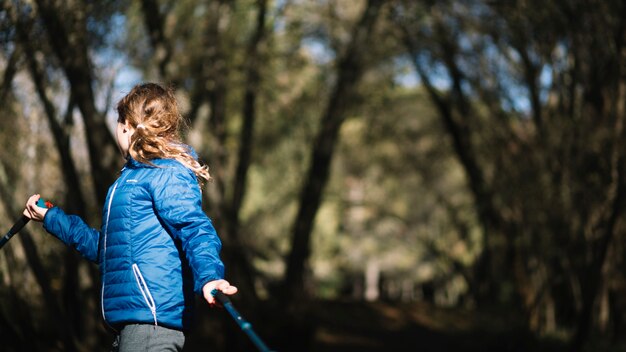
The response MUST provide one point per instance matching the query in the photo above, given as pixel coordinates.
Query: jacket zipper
(145, 291)
(106, 231)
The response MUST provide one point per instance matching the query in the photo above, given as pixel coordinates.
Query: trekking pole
(19, 224)
(243, 324)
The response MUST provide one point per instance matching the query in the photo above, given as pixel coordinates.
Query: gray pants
(148, 338)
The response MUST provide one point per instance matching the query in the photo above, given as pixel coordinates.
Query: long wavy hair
(152, 110)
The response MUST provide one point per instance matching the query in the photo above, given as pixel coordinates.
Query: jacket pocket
(145, 291)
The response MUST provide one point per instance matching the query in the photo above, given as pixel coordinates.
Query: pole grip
(19, 224)
(220, 296)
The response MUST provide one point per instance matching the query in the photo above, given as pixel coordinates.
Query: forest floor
(351, 326)
(368, 327)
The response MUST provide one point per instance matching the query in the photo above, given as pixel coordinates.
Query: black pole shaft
(19, 224)
(243, 324)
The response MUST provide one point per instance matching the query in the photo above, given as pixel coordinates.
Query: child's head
(149, 114)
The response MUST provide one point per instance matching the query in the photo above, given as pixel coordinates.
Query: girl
(156, 246)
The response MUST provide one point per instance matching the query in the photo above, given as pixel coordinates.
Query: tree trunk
(240, 263)
(74, 201)
(41, 276)
(156, 31)
(350, 69)
(459, 132)
(9, 74)
(372, 280)
(593, 277)
(103, 154)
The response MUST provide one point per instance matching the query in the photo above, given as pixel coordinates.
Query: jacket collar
(134, 164)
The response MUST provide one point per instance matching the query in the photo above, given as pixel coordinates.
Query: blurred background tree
(467, 155)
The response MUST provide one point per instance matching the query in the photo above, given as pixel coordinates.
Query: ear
(126, 126)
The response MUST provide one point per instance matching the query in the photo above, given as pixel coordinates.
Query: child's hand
(220, 285)
(33, 211)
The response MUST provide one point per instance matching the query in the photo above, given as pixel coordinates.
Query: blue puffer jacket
(156, 246)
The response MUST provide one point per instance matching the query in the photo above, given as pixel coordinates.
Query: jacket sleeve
(73, 231)
(178, 203)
